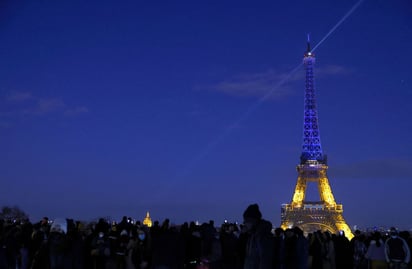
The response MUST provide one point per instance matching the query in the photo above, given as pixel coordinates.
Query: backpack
(396, 250)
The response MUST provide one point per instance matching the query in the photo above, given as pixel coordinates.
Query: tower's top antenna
(308, 44)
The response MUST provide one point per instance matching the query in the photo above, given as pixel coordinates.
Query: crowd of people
(254, 244)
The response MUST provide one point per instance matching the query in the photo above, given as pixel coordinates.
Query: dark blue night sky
(112, 108)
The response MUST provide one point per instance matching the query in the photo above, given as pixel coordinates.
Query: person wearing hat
(259, 246)
(397, 251)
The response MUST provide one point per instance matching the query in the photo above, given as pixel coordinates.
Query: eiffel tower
(325, 214)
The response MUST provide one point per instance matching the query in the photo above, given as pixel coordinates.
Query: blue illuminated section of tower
(311, 147)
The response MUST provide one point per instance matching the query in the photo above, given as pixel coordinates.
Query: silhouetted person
(278, 249)
(229, 241)
(39, 245)
(328, 251)
(124, 225)
(211, 246)
(342, 252)
(358, 247)
(397, 251)
(57, 248)
(301, 249)
(102, 226)
(315, 250)
(141, 254)
(193, 245)
(376, 252)
(165, 225)
(167, 248)
(259, 246)
(100, 250)
(290, 249)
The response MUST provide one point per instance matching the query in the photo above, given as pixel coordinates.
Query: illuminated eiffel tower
(325, 214)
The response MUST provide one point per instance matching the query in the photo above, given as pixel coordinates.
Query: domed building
(147, 220)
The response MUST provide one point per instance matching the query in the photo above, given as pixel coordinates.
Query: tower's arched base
(313, 217)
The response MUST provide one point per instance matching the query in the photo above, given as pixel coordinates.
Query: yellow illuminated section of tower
(325, 214)
(299, 194)
(326, 192)
(147, 220)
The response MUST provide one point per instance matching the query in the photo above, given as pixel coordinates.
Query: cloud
(375, 169)
(26, 104)
(273, 82)
(47, 105)
(18, 96)
(76, 111)
(256, 84)
(331, 70)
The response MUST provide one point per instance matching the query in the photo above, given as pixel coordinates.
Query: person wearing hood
(259, 246)
(397, 251)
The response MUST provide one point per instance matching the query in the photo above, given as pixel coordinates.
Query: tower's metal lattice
(311, 148)
(325, 214)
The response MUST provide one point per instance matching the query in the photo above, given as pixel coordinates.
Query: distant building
(147, 220)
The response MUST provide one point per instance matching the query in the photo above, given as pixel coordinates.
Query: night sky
(192, 110)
